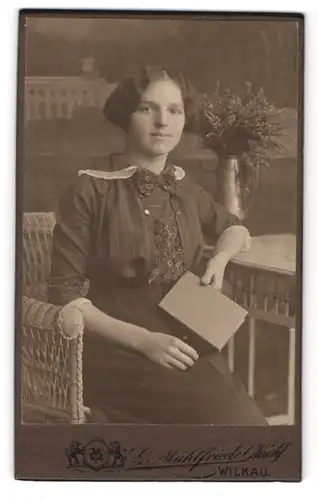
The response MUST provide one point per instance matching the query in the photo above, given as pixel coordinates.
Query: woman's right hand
(169, 351)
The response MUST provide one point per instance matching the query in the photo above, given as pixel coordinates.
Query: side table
(263, 280)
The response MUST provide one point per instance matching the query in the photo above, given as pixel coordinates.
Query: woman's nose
(161, 118)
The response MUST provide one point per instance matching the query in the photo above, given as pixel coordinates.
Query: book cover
(204, 310)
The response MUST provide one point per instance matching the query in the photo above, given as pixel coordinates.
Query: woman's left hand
(214, 273)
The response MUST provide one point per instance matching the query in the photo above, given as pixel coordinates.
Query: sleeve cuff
(62, 291)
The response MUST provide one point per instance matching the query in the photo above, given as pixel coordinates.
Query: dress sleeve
(214, 217)
(71, 243)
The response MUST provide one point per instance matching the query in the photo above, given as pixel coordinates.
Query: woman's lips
(161, 136)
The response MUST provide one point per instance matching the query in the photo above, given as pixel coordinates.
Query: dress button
(178, 212)
(146, 211)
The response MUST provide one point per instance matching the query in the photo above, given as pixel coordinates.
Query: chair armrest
(68, 320)
(51, 356)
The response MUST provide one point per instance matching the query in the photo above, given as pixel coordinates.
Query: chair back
(37, 252)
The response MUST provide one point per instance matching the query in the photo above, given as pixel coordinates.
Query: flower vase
(229, 185)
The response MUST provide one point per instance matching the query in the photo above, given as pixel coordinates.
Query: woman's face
(157, 124)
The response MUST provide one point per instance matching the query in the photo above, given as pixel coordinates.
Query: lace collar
(145, 179)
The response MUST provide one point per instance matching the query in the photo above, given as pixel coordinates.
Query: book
(205, 311)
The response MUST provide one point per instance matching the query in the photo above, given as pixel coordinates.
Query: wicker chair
(51, 337)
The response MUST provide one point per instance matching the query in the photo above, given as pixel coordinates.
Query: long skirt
(127, 387)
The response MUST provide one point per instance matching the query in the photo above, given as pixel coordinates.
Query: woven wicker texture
(51, 336)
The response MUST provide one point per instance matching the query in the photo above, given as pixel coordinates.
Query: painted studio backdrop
(72, 65)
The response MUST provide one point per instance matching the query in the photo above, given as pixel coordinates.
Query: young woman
(125, 233)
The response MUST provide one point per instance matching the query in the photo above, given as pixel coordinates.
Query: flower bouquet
(241, 126)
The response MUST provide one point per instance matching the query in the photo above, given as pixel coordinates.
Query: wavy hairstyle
(124, 100)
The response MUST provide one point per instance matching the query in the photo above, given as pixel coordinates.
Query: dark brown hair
(124, 100)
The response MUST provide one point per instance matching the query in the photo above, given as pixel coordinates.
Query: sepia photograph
(159, 184)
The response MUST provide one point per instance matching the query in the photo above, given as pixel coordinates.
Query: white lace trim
(115, 174)
(125, 173)
(178, 172)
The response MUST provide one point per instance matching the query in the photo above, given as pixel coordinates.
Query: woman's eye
(146, 108)
(176, 111)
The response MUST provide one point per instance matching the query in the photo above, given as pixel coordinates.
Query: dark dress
(123, 241)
